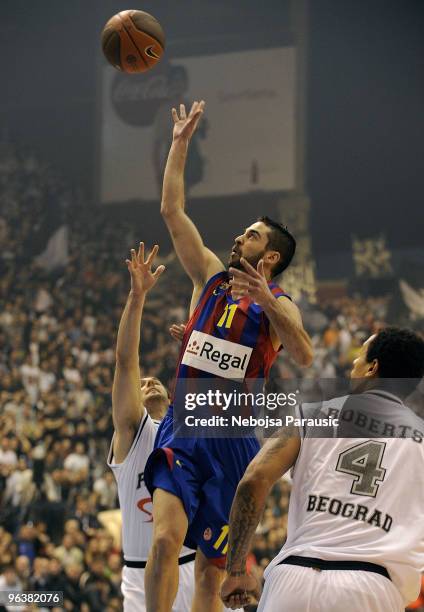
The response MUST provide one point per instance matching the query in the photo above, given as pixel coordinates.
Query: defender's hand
(184, 126)
(239, 591)
(142, 277)
(251, 284)
(177, 331)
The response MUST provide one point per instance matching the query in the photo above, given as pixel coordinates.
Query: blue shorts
(204, 474)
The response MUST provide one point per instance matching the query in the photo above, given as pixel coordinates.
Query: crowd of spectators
(57, 336)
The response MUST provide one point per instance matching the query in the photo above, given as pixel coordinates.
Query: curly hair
(399, 352)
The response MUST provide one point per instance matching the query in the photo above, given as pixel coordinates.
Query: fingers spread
(141, 252)
(152, 255)
(158, 271)
(193, 108)
(195, 111)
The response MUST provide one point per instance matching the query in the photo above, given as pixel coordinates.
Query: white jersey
(362, 499)
(134, 498)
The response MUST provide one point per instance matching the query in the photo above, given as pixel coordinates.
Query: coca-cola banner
(245, 141)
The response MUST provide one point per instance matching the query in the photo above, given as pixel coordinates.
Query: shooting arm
(274, 459)
(198, 261)
(287, 329)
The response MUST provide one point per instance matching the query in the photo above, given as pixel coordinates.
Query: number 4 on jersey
(363, 461)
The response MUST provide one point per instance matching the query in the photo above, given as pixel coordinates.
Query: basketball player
(240, 313)
(355, 525)
(138, 406)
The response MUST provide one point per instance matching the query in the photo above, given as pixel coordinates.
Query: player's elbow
(305, 357)
(168, 210)
(255, 480)
(165, 210)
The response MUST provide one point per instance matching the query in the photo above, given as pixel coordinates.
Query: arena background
(351, 105)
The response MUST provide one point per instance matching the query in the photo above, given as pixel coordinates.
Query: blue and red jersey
(242, 322)
(226, 341)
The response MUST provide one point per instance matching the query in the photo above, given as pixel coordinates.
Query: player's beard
(234, 261)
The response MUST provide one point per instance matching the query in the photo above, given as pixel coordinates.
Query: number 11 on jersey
(227, 316)
(223, 538)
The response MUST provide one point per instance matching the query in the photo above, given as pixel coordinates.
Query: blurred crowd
(57, 337)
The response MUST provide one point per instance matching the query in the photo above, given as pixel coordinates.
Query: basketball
(133, 41)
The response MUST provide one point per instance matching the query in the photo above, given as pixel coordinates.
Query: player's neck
(388, 385)
(157, 408)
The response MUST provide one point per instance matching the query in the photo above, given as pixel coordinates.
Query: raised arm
(127, 408)
(274, 459)
(198, 261)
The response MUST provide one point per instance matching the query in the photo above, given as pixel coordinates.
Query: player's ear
(372, 371)
(272, 257)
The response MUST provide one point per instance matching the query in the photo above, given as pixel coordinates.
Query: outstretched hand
(250, 283)
(142, 277)
(184, 126)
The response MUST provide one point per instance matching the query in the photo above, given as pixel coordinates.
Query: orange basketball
(133, 41)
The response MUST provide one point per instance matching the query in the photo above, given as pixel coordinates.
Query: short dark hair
(280, 240)
(399, 351)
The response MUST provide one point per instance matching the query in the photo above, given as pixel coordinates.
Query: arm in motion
(274, 459)
(127, 408)
(198, 261)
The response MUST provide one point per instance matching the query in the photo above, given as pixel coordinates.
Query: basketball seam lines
(133, 42)
(154, 37)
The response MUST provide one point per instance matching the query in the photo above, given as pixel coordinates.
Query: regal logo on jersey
(217, 356)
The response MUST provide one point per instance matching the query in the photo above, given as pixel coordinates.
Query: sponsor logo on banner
(217, 356)
(136, 100)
